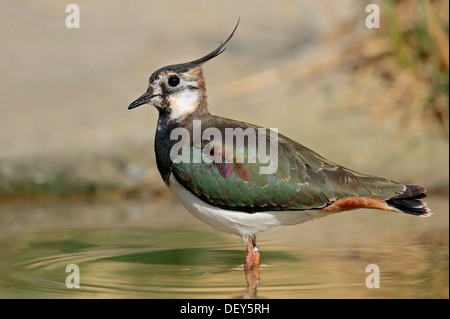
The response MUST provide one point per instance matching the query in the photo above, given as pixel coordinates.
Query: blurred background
(78, 173)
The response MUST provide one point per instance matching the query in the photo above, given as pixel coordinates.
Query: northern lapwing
(237, 197)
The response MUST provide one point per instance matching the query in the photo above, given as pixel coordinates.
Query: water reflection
(171, 255)
(252, 277)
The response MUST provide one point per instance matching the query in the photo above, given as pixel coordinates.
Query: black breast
(163, 144)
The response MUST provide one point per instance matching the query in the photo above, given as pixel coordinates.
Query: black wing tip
(415, 191)
(411, 191)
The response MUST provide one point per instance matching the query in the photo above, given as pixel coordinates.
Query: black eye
(173, 80)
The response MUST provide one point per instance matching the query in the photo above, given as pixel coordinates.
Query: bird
(236, 197)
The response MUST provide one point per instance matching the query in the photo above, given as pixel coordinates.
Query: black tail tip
(409, 201)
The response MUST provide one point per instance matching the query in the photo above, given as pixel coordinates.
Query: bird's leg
(253, 256)
(251, 266)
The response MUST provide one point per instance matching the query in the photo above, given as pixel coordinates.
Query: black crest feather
(215, 52)
(189, 65)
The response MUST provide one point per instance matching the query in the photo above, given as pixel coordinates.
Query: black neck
(163, 143)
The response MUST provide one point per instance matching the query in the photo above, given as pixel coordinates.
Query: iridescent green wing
(303, 179)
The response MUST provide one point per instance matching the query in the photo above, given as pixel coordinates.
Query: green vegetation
(418, 31)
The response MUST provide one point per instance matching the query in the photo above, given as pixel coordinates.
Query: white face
(179, 93)
(183, 102)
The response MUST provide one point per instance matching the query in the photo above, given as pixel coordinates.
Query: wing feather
(304, 180)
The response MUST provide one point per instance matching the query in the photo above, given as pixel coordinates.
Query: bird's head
(179, 90)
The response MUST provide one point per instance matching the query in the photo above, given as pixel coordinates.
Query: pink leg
(251, 267)
(253, 255)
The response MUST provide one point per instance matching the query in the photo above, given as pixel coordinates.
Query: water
(156, 249)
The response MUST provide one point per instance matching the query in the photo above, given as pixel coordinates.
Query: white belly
(236, 222)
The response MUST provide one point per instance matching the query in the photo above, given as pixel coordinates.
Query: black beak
(143, 99)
